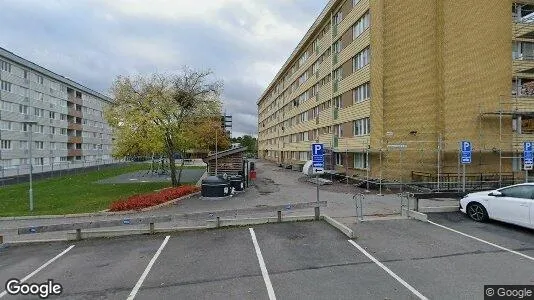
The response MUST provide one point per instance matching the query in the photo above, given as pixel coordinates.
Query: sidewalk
(274, 186)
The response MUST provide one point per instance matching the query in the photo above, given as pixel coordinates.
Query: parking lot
(394, 259)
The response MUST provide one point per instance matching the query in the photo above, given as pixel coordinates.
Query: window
(52, 115)
(38, 112)
(39, 161)
(23, 109)
(338, 158)
(39, 79)
(25, 74)
(41, 129)
(336, 47)
(315, 67)
(25, 127)
(52, 146)
(63, 131)
(362, 127)
(518, 192)
(5, 125)
(360, 26)
(354, 2)
(306, 136)
(5, 66)
(337, 18)
(361, 160)
(5, 144)
(361, 93)
(39, 145)
(63, 117)
(303, 155)
(337, 102)
(361, 59)
(338, 74)
(7, 106)
(6, 86)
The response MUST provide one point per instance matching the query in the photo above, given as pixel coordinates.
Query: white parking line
(483, 241)
(411, 288)
(263, 268)
(2, 294)
(145, 273)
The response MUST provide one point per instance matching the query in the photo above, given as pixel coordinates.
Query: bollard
(152, 231)
(416, 204)
(218, 222)
(279, 216)
(317, 213)
(78, 234)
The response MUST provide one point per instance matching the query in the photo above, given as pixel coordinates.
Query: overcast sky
(244, 42)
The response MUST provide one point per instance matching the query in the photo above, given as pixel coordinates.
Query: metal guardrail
(94, 224)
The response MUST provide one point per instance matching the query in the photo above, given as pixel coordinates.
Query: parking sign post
(317, 163)
(465, 148)
(528, 159)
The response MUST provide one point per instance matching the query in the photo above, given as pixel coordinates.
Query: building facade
(66, 120)
(391, 87)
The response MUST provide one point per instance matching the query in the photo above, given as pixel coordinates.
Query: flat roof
(19, 60)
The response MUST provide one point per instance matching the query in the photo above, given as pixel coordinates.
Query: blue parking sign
(466, 148)
(318, 158)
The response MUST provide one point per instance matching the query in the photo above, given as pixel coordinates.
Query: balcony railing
(523, 56)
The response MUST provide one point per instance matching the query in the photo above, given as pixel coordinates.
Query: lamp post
(30, 123)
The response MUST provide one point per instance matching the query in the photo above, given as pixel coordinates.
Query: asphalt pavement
(393, 259)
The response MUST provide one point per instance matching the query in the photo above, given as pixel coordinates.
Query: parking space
(394, 259)
(518, 238)
(438, 262)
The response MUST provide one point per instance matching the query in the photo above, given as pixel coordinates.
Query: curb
(439, 209)
(13, 243)
(415, 215)
(71, 236)
(256, 221)
(99, 214)
(339, 226)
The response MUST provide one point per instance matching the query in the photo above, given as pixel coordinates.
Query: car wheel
(477, 212)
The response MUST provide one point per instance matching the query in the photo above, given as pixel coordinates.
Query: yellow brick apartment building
(391, 87)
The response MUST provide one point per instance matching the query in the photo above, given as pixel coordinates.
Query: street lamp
(30, 123)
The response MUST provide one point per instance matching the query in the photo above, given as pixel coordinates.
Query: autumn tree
(155, 112)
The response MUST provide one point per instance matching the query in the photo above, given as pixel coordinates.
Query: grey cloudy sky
(244, 42)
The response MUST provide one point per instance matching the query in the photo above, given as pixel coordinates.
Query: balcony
(74, 112)
(74, 152)
(75, 139)
(523, 63)
(74, 126)
(76, 100)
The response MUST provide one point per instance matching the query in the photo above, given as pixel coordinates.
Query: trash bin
(237, 182)
(214, 186)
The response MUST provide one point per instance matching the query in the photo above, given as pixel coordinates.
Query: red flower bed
(142, 201)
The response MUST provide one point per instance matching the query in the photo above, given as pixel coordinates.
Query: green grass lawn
(73, 193)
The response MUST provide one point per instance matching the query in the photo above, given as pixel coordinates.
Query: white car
(512, 204)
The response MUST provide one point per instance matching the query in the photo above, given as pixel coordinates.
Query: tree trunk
(181, 167)
(172, 165)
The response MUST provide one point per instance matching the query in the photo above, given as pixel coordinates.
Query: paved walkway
(275, 186)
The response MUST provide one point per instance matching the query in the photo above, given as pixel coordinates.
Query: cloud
(244, 42)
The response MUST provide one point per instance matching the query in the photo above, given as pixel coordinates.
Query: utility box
(215, 187)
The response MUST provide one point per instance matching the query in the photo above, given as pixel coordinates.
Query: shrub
(136, 202)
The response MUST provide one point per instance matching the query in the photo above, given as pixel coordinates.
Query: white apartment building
(66, 118)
